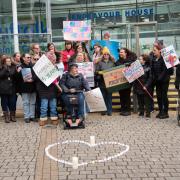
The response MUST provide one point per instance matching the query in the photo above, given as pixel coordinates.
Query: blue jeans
(44, 107)
(8, 102)
(107, 99)
(29, 100)
(81, 104)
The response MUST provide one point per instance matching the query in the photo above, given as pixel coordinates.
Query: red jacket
(64, 57)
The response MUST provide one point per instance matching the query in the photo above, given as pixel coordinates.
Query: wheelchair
(73, 100)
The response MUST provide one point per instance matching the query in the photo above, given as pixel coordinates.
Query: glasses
(36, 59)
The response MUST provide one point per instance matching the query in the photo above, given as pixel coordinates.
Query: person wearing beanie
(161, 78)
(106, 62)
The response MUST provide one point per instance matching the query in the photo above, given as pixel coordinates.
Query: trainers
(27, 120)
(109, 114)
(126, 113)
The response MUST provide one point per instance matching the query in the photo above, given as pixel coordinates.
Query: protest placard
(26, 74)
(95, 100)
(170, 57)
(134, 71)
(45, 70)
(113, 47)
(114, 79)
(77, 30)
(87, 69)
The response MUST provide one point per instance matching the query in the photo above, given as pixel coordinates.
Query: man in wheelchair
(73, 84)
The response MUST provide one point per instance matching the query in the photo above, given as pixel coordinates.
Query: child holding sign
(143, 85)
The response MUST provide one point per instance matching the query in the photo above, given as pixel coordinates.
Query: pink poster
(77, 30)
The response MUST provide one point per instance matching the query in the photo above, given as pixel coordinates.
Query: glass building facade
(40, 22)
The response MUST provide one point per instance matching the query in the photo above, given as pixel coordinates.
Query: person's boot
(13, 116)
(43, 121)
(164, 115)
(6, 117)
(54, 120)
(159, 114)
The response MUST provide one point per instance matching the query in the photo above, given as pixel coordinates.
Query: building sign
(105, 14)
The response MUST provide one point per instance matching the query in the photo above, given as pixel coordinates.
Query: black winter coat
(8, 80)
(160, 72)
(69, 81)
(177, 80)
(45, 92)
(146, 81)
(25, 87)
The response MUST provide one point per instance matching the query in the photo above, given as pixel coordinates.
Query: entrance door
(143, 36)
(138, 37)
(118, 33)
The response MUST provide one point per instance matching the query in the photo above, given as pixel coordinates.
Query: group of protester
(41, 101)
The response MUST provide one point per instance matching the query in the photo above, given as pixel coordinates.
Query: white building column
(15, 26)
(48, 19)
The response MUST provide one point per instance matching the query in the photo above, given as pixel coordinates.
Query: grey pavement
(154, 149)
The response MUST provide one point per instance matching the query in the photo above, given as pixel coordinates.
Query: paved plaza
(154, 149)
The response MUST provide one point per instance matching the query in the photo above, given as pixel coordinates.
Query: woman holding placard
(106, 62)
(126, 57)
(161, 78)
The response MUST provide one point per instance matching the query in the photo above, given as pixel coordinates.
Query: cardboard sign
(26, 74)
(45, 70)
(87, 69)
(114, 77)
(77, 30)
(170, 57)
(95, 100)
(134, 71)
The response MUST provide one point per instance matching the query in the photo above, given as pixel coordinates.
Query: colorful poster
(77, 30)
(113, 47)
(134, 71)
(26, 74)
(45, 70)
(170, 57)
(87, 69)
(95, 100)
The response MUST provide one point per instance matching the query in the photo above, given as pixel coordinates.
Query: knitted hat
(105, 50)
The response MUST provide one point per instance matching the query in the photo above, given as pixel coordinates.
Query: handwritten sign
(45, 70)
(77, 30)
(170, 57)
(114, 77)
(95, 100)
(87, 69)
(134, 71)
